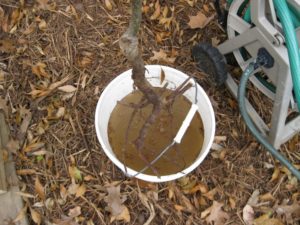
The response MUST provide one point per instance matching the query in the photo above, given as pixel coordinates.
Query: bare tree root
(129, 46)
(169, 100)
(143, 103)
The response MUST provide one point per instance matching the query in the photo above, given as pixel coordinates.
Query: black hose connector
(264, 59)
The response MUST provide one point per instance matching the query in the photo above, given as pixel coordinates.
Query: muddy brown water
(159, 135)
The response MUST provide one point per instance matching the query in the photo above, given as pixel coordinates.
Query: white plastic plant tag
(186, 123)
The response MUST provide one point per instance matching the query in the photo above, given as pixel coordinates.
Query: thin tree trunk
(129, 44)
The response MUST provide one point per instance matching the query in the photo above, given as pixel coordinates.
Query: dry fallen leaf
(266, 220)
(124, 215)
(232, 203)
(186, 183)
(161, 36)
(4, 24)
(60, 112)
(179, 207)
(7, 46)
(187, 203)
(171, 192)
(16, 15)
(30, 29)
(266, 197)
(42, 25)
(162, 56)
(89, 178)
(115, 206)
(65, 220)
(90, 222)
(215, 41)
(211, 194)
(75, 173)
(199, 187)
(165, 11)
(67, 88)
(166, 22)
(26, 172)
(199, 21)
(108, 5)
(83, 83)
(39, 189)
(156, 13)
(63, 192)
(253, 200)
(248, 215)
(202, 201)
(85, 62)
(275, 174)
(36, 217)
(72, 189)
(36, 93)
(146, 202)
(206, 212)
(21, 214)
(217, 216)
(289, 211)
(206, 8)
(45, 5)
(39, 70)
(191, 2)
(2, 76)
(144, 184)
(74, 212)
(80, 191)
(25, 116)
(34, 146)
(2, 13)
(49, 203)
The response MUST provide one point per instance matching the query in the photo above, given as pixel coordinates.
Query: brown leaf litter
(56, 57)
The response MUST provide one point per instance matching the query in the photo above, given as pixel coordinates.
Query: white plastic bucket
(122, 85)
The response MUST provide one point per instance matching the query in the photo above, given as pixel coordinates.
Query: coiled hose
(255, 132)
(291, 42)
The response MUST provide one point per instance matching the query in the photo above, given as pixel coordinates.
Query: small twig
(178, 91)
(81, 131)
(95, 208)
(72, 124)
(84, 140)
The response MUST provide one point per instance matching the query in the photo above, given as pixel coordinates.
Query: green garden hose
(289, 20)
(291, 44)
(247, 16)
(241, 99)
(296, 21)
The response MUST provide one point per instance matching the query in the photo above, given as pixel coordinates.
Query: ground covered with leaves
(56, 57)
